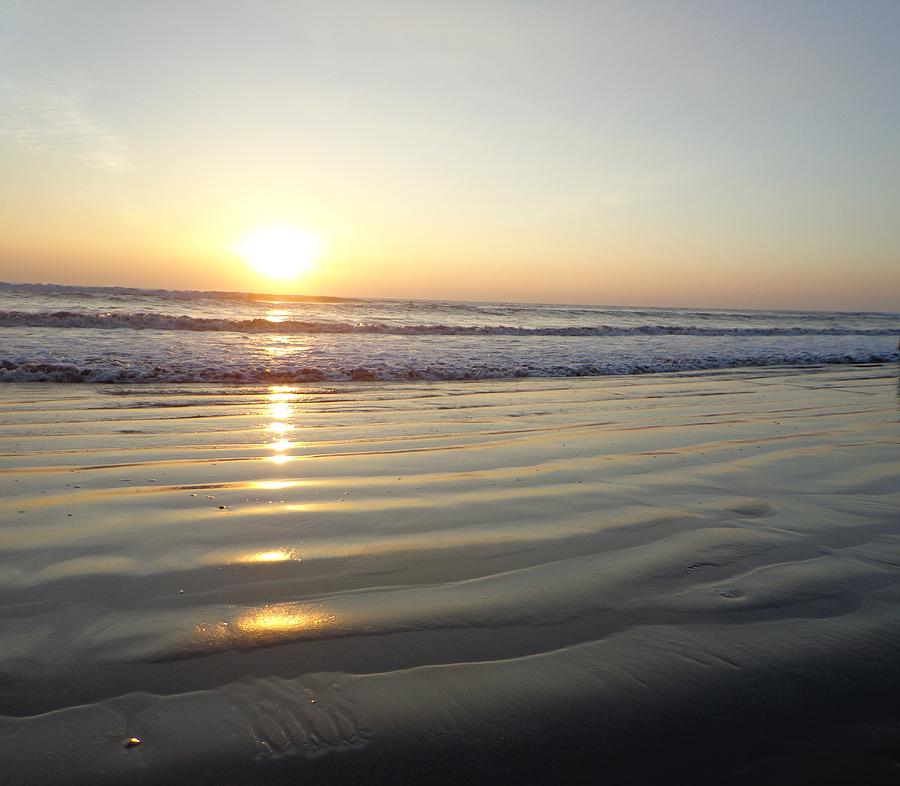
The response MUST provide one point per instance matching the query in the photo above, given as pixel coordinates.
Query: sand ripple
(355, 579)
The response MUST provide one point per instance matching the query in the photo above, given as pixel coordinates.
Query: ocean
(55, 333)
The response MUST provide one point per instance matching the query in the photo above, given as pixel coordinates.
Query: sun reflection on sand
(280, 398)
(279, 410)
(274, 555)
(276, 485)
(267, 624)
(284, 618)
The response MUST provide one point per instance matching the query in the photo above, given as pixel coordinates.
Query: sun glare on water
(279, 253)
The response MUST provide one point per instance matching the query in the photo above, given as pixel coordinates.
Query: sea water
(55, 333)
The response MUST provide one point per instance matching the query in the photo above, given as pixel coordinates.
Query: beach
(689, 576)
(449, 394)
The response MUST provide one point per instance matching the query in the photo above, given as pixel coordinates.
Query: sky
(733, 154)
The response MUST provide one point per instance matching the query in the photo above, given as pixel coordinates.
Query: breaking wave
(150, 321)
(133, 371)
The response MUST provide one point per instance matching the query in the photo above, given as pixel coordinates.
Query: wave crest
(361, 371)
(150, 321)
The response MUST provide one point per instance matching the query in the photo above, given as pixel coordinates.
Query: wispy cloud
(54, 121)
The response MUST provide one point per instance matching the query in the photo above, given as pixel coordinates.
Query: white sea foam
(67, 334)
(142, 320)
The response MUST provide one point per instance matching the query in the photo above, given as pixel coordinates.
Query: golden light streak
(283, 618)
(280, 410)
(265, 624)
(277, 315)
(274, 555)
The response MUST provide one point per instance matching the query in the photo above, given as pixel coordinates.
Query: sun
(279, 253)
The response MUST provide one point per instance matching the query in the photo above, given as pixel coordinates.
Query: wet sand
(666, 578)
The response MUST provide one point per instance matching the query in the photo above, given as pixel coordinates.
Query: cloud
(53, 121)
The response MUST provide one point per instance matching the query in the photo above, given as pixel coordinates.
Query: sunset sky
(669, 153)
